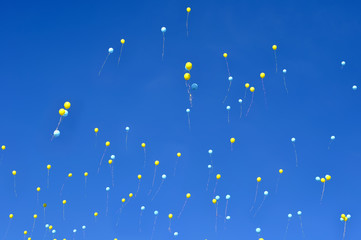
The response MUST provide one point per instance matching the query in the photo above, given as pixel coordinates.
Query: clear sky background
(51, 52)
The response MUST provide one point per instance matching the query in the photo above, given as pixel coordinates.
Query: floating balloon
(66, 179)
(155, 221)
(232, 140)
(122, 41)
(280, 171)
(323, 180)
(194, 86)
(262, 75)
(188, 11)
(189, 119)
(145, 154)
(56, 133)
(258, 230)
(188, 66)
(225, 55)
(163, 30)
(218, 176)
(176, 162)
(265, 194)
(343, 63)
(3, 147)
(274, 47)
(107, 144)
(164, 177)
(293, 140)
(228, 108)
(354, 87)
(110, 51)
(225, 211)
(288, 223)
(14, 174)
(255, 196)
(284, 79)
(251, 89)
(188, 195)
(156, 163)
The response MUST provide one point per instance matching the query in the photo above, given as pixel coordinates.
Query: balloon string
(47, 179)
(215, 227)
(103, 64)
(250, 105)
(140, 222)
(106, 211)
(32, 230)
(7, 230)
(183, 208)
(259, 208)
(344, 232)
(275, 60)
(137, 189)
(101, 160)
(240, 116)
(169, 227)
(294, 146)
(120, 54)
(62, 187)
(155, 221)
(175, 167)
(209, 177)
(16, 195)
(264, 92)
(145, 158)
(228, 117)
(158, 190)
(255, 198)
(189, 121)
(225, 212)
(303, 233)
(187, 23)
(112, 170)
(278, 179)
(229, 88)
(215, 186)
(323, 191)
(284, 83)
(288, 223)
(150, 190)
(229, 74)
(126, 141)
(163, 46)
(63, 213)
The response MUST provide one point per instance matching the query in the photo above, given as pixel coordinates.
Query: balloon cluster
(63, 112)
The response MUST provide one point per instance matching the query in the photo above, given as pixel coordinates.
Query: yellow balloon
(25, 232)
(115, 238)
(259, 179)
(170, 216)
(252, 89)
(86, 174)
(328, 177)
(48, 166)
(274, 47)
(179, 154)
(343, 215)
(188, 9)
(187, 76)
(35, 216)
(225, 55)
(345, 219)
(14, 172)
(232, 140)
(122, 41)
(218, 176)
(189, 66)
(214, 201)
(61, 111)
(188, 195)
(110, 161)
(156, 162)
(246, 85)
(323, 180)
(280, 171)
(67, 105)
(11, 216)
(262, 75)
(130, 195)
(107, 143)
(50, 227)
(29, 238)
(70, 175)
(261, 239)
(3, 147)
(139, 176)
(143, 145)
(44, 205)
(64, 202)
(38, 189)
(95, 214)
(96, 130)
(123, 199)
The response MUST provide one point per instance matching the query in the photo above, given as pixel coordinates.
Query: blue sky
(52, 52)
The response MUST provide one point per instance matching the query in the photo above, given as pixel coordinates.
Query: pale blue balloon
(46, 225)
(293, 139)
(258, 230)
(348, 216)
(341, 219)
(83, 227)
(142, 208)
(107, 189)
(333, 137)
(127, 129)
(343, 63)
(289, 215)
(230, 78)
(318, 179)
(54, 231)
(228, 196)
(110, 50)
(164, 176)
(175, 233)
(228, 108)
(163, 29)
(240, 100)
(56, 133)
(284, 71)
(228, 217)
(265, 193)
(156, 212)
(354, 87)
(112, 157)
(217, 197)
(209, 166)
(66, 113)
(299, 213)
(210, 151)
(194, 86)
(188, 110)
(74, 231)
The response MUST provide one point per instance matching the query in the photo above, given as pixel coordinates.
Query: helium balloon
(284, 79)
(176, 234)
(56, 133)
(156, 212)
(228, 217)
(299, 213)
(67, 105)
(188, 195)
(252, 89)
(317, 178)
(188, 66)
(293, 140)
(289, 215)
(274, 47)
(107, 144)
(3, 147)
(187, 76)
(354, 87)
(194, 86)
(110, 51)
(343, 63)
(189, 119)
(122, 41)
(258, 230)
(188, 11)
(163, 30)
(255, 196)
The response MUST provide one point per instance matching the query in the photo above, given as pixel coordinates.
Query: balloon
(262, 75)
(214, 201)
(130, 195)
(123, 200)
(210, 151)
(170, 216)
(163, 29)
(284, 71)
(230, 78)
(54, 231)
(217, 197)
(156, 212)
(343, 63)
(44, 205)
(110, 50)
(46, 225)
(218, 176)
(240, 100)
(61, 111)
(13, 172)
(188, 195)
(299, 213)
(317, 178)
(328, 177)
(11, 216)
(25, 232)
(209, 166)
(179, 154)
(74, 230)
(70, 175)
(127, 129)
(164, 176)
(265, 193)
(188, 9)
(258, 230)
(354, 87)
(341, 219)
(333, 137)
(293, 139)
(176, 234)
(252, 89)
(107, 143)
(48, 166)
(187, 76)
(280, 171)
(143, 145)
(64, 202)
(83, 227)
(66, 113)
(67, 105)
(188, 110)
(343, 215)
(232, 140)
(228, 107)
(142, 208)
(122, 41)
(228, 217)
(259, 179)
(228, 196)
(274, 47)
(95, 214)
(348, 216)
(188, 66)
(289, 215)
(139, 176)
(246, 85)
(35, 216)
(86, 174)
(96, 130)
(112, 157)
(56, 133)
(156, 162)
(3, 147)
(107, 189)
(50, 227)
(194, 86)
(323, 180)
(225, 55)
(38, 189)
